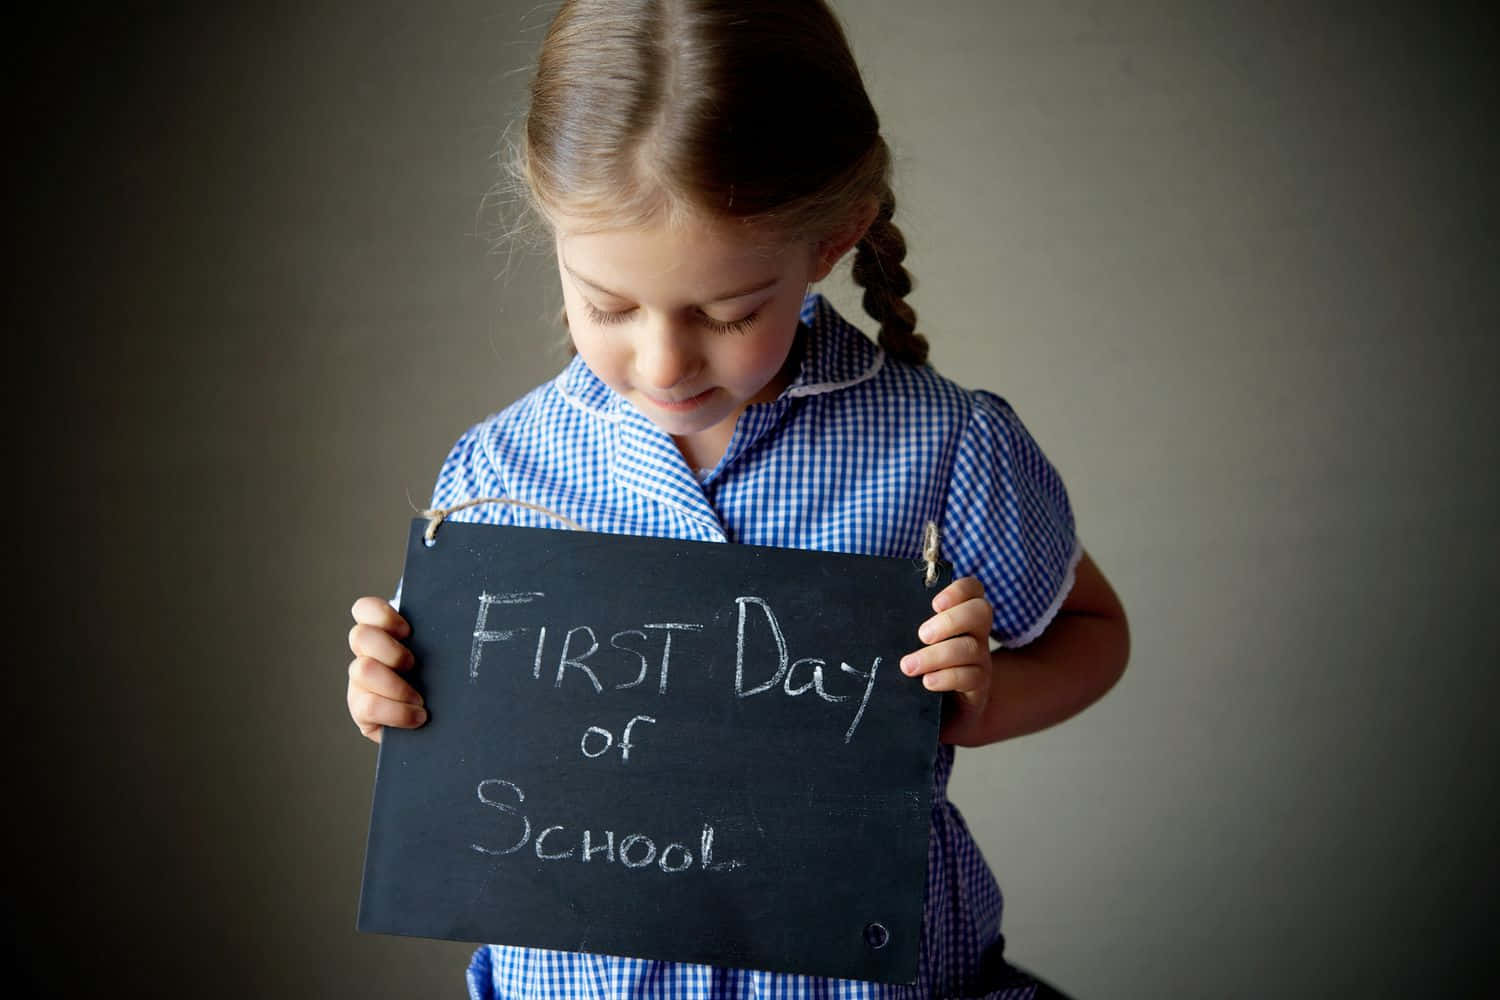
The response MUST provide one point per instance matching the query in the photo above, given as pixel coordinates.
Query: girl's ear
(832, 249)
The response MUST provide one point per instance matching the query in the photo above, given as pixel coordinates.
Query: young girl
(699, 165)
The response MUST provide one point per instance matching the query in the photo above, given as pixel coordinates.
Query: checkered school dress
(856, 455)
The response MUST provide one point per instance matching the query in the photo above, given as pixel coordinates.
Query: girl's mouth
(681, 405)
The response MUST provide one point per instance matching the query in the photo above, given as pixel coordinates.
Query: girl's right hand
(378, 695)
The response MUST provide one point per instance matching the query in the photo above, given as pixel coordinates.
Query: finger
(380, 679)
(370, 710)
(961, 650)
(377, 611)
(973, 616)
(969, 681)
(963, 589)
(379, 645)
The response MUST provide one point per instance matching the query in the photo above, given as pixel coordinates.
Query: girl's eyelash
(734, 326)
(605, 318)
(608, 318)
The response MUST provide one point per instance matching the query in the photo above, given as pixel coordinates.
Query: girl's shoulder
(842, 357)
(553, 425)
(860, 388)
(570, 403)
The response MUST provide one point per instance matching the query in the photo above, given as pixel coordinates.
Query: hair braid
(877, 269)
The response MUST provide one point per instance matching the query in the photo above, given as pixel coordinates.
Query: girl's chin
(705, 415)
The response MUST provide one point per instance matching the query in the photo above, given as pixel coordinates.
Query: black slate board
(811, 813)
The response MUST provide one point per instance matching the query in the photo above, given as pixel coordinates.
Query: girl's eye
(606, 318)
(603, 318)
(735, 326)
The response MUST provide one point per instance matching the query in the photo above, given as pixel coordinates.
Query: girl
(698, 166)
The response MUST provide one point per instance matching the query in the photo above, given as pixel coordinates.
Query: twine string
(435, 515)
(930, 552)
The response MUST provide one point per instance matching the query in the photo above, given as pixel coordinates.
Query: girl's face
(691, 323)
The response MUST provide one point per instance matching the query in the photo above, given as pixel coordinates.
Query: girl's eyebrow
(717, 298)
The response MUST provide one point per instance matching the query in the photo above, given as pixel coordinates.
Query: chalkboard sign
(664, 749)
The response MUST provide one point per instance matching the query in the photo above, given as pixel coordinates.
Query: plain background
(1233, 264)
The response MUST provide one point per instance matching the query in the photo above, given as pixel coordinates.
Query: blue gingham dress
(856, 455)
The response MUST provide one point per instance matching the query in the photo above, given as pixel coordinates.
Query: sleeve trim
(1057, 602)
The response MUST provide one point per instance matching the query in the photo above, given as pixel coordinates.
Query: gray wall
(1235, 269)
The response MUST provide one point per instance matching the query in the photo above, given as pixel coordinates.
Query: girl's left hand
(956, 656)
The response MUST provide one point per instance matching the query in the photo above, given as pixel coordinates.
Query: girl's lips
(682, 405)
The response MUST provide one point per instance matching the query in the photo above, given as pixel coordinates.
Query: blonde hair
(751, 110)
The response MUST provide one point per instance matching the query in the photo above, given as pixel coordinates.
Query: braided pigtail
(877, 269)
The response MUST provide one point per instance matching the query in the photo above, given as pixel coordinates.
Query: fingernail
(421, 716)
(908, 664)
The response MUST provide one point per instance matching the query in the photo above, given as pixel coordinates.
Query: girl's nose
(665, 355)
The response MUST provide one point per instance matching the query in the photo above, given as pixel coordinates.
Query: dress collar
(643, 458)
(835, 356)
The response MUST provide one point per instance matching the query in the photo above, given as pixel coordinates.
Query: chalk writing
(636, 850)
(583, 744)
(666, 646)
(542, 854)
(573, 654)
(566, 661)
(483, 635)
(609, 739)
(786, 668)
(505, 808)
(580, 649)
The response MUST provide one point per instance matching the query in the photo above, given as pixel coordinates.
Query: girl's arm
(1011, 692)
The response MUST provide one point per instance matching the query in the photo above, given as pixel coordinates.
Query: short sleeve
(1007, 521)
(469, 473)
